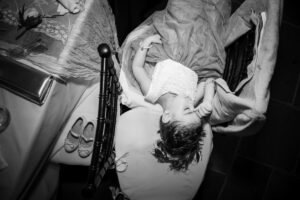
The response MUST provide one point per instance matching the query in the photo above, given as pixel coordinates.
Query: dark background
(265, 166)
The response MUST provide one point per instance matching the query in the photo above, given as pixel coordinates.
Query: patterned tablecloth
(62, 44)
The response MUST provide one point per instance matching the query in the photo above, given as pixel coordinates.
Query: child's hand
(151, 39)
(204, 109)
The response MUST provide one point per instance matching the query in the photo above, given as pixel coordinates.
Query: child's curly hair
(179, 145)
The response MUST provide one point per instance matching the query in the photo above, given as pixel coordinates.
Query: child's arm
(139, 61)
(205, 108)
(199, 93)
(209, 90)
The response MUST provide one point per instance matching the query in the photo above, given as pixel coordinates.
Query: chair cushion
(145, 178)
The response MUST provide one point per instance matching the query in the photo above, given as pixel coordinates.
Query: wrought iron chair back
(239, 55)
(103, 152)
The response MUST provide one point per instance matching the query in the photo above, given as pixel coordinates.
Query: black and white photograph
(149, 100)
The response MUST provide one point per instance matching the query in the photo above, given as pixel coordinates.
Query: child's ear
(166, 116)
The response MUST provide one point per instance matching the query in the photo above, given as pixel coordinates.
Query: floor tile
(211, 186)
(287, 69)
(297, 170)
(291, 12)
(282, 186)
(278, 142)
(247, 181)
(73, 180)
(223, 152)
(297, 98)
(70, 190)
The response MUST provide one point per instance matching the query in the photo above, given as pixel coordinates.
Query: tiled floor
(74, 179)
(286, 76)
(277, 144)
(282, 186)
(265, 166)
(247, 180)
(212, 185)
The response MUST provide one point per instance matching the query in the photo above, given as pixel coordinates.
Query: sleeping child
(176, 89)
(175, 59)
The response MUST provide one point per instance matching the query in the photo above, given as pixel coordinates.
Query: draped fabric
(190, 37)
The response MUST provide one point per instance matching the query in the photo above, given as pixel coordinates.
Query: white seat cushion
(145, 178)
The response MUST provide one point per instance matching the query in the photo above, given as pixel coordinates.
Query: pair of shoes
(81, 136)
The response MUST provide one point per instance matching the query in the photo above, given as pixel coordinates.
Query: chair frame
(103, 152)
(239, 55)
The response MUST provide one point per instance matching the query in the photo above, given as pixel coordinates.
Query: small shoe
(72, 139)
(86, 141)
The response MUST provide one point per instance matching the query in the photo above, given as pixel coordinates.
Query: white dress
(141, 177)
(172, 76)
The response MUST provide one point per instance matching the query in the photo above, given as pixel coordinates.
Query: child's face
(182, 110)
